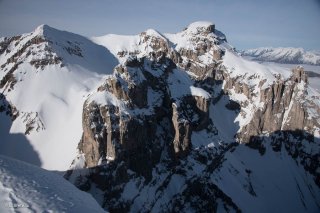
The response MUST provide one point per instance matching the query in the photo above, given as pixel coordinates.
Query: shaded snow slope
(272, 182)
(16, 145)
(26, 188)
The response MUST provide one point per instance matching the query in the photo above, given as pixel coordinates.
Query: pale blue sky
(246, 23)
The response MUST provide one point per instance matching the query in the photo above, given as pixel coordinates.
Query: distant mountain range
(285, 55)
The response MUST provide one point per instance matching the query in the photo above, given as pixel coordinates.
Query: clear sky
(246, 23)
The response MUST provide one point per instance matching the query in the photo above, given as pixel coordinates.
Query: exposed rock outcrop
(283, 108)
(182, 127)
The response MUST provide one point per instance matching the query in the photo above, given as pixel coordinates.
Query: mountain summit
(160, 122)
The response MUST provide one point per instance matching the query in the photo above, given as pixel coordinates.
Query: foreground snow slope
(26, 188)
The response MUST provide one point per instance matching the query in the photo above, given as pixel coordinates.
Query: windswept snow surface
(273, 182)
(26, 188)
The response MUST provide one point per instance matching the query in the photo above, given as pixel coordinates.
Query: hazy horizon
(247, 24)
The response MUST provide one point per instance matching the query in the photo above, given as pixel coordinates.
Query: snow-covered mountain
(158, 122)
(286, 55)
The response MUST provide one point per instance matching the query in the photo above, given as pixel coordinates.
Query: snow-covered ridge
(120, 45)
(287, 55)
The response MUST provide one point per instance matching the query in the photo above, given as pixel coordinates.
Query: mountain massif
(162, 122)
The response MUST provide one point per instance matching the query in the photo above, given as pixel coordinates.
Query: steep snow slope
(269, 182)
(26, 188)
(54, 71)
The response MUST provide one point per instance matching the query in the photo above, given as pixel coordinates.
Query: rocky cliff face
(142, 114)
(284, 107)
(180, 123)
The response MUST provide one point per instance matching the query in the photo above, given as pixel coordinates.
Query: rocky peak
(152, 33)
(199, 45)
(154, 44)
(202, 27)
(299, 74)
(42, 29)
